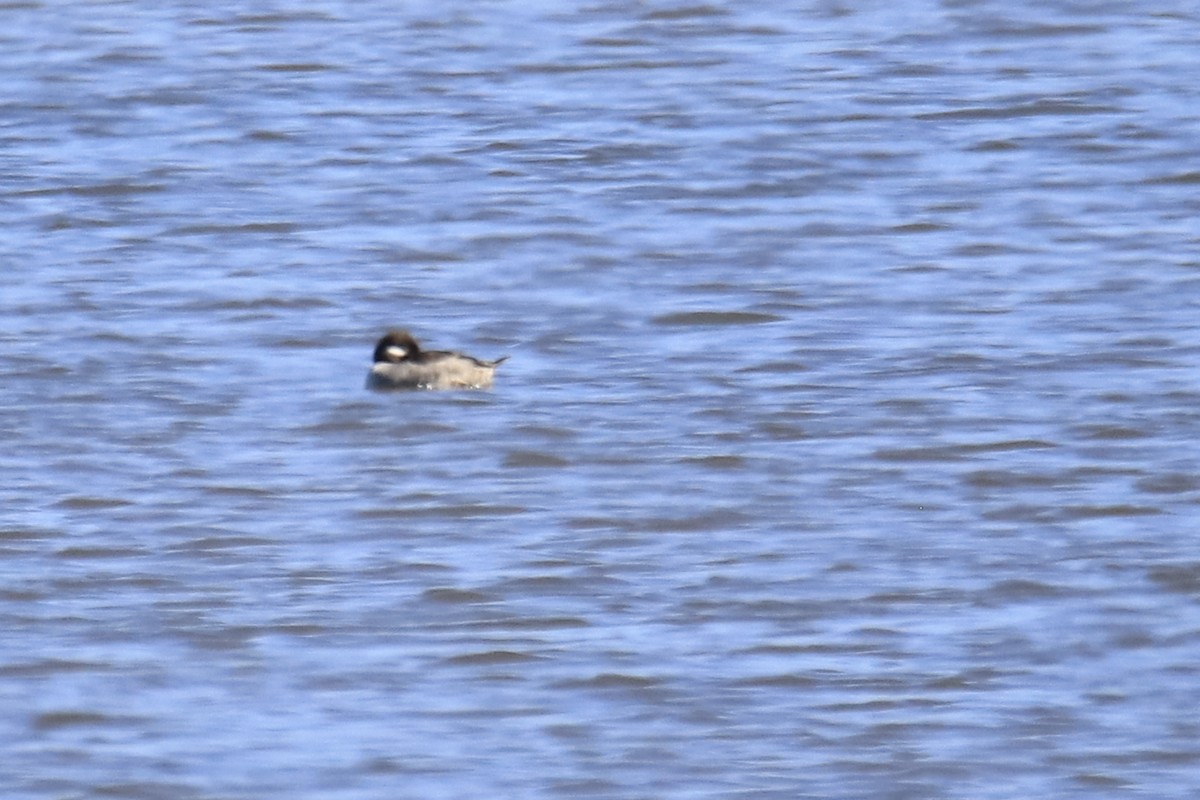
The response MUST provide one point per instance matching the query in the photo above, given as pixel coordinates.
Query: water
(847, 447)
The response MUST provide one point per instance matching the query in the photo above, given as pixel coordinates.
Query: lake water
(847, 448)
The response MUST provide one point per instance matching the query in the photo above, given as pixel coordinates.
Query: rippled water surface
(847, 448)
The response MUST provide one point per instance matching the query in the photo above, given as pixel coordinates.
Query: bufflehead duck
(400, 363)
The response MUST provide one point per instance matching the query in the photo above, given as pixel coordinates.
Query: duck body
(400, 363)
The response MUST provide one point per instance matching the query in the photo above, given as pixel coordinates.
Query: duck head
(396, 346)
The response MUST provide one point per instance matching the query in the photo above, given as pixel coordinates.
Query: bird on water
(400, 363)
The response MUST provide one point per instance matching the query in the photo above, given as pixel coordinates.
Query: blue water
(846, 448)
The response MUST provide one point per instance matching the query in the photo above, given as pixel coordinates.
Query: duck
(400, 363)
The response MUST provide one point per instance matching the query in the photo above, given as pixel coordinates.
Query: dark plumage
(400, 363)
